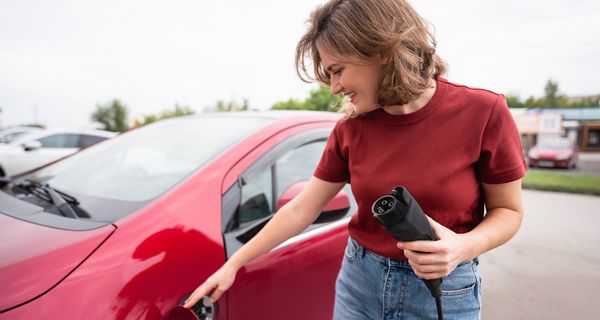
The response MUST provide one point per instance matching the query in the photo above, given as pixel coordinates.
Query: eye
(337, 72)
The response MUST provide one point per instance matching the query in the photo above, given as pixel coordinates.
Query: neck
(414, 105)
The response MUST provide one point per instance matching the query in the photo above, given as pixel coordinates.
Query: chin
(358, 109)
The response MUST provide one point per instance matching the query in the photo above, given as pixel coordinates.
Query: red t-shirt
(440, 153)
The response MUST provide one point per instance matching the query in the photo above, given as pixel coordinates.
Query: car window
(86, 140)
(298, 164)
(555, 144)
(257, 197)
(60, 141)
(10, 137)
(143, 163)
(293, 166)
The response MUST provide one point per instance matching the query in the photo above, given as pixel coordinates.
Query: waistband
(362, 251)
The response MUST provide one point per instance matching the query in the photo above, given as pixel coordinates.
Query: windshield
(142, 164)
(554, 144)
(9, 136)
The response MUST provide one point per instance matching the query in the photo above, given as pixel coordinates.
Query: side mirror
(31, 145)
(335, 209)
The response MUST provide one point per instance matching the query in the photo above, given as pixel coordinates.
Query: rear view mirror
(31, 145)
(335, 209)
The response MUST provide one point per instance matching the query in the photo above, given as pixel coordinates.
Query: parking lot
(551, 269)
(589, 164)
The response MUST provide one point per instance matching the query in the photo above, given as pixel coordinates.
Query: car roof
(48, 131)
(275, 115)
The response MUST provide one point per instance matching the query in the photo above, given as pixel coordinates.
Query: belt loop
(361, 250)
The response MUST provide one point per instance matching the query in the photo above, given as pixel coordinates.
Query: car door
(297, 279)
(53, 147)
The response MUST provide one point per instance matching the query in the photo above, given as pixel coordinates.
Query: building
(580, 125)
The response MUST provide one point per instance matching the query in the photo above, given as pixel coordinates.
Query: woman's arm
(436, 259)
(289, 221)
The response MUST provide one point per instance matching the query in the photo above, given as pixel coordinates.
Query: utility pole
(35, 114)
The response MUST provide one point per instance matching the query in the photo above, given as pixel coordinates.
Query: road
(551, 268)
(589, 164)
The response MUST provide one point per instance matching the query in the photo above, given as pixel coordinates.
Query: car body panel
(305, 272)
(163, 251)
(564, 156)
(40, 260)
(270, 142)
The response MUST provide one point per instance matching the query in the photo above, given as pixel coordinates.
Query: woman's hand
(436, 259)
(217, 283)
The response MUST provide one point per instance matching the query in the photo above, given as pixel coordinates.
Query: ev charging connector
(403, 218)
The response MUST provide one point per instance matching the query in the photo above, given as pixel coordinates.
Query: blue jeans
(370, 286)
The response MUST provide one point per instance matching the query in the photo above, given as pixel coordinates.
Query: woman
(456, 149)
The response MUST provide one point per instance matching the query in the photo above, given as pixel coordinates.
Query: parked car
(160, 208)
(553, 153)
(9, 134)
(37, 148)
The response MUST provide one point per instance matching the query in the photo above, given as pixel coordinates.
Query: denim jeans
(370, 286)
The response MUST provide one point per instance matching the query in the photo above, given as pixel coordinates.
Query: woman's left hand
(436, 259)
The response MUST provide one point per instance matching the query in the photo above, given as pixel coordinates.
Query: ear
(384, 60)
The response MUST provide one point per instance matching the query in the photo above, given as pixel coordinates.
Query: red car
(553, 153)
(128, 228)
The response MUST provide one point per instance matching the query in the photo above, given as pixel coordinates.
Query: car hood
(8, 148)
(34, 258)
(552, 152)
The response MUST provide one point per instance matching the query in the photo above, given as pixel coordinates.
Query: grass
(550, 181)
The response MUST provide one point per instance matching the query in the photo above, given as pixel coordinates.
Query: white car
(35, 149)
(10, 134)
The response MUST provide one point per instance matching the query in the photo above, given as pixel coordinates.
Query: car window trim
(231, 200)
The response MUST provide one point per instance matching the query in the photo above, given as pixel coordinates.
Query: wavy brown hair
(370, 31)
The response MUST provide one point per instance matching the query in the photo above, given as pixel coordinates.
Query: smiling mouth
(350, 96)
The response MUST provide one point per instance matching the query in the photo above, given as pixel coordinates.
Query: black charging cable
(403, 218)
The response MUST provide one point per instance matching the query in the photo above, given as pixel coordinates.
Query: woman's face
(357, 80)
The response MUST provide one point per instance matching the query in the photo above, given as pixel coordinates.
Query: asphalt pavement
(589, 164)
(551, 268)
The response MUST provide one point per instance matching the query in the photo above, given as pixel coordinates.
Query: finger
(428, 268)
(420, 245)
(216, 295)
(432, 222)
(200, 292)
(430, 275)
(440, 230)
(191, 301)
(425, 258)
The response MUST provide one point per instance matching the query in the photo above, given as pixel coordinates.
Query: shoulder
(347, 125)
(471, 95)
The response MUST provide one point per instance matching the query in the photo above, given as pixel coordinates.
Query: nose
(336, 87)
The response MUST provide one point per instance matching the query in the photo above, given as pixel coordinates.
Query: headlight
(532, 154)
(563, 156)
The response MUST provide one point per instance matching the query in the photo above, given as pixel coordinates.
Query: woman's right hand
(217, 283)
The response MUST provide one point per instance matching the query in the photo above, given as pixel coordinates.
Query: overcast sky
(59, 59)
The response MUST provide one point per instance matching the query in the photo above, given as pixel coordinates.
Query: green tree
(319, 99)
(112, 115)
(551, 91)
(228, 106)
(33, 125)
(291, 104)
(514, 102)
(177, 111)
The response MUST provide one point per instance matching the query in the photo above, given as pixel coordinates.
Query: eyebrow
(329, 68)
